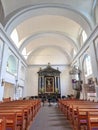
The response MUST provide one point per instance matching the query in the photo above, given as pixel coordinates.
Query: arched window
(14, 36)
(74, 52)
(24, 53)
(82, 37)
(12, 65)
(87, 66)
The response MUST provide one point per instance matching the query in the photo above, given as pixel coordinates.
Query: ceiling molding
(32, 37)
(67, 55)
(52, 65)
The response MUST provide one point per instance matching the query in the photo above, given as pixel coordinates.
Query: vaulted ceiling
(48, 30)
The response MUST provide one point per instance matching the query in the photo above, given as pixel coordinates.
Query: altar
(49, 81)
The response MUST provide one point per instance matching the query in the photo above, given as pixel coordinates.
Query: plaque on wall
(91, 84)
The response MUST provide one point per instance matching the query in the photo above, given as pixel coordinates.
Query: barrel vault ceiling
(48, 30)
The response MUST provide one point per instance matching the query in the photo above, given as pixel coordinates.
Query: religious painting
(49, 84)
(91, 84)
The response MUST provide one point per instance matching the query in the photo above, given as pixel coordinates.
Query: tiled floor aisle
(50, 118)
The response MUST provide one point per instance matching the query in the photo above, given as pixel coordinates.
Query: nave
(50, 118)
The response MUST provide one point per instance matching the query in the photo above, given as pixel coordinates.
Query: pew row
(78, 112)
(24, 112)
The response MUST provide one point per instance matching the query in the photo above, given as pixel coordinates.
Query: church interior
(48, 52)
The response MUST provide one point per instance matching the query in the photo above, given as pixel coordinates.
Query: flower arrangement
(56, 90)
(42, 90)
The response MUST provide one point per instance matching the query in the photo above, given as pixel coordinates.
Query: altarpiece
(49, 81)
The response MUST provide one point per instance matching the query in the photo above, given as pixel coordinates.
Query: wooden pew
(80, 118)
(20, 120)
(66, 105)
(81, 105)
(25, 110)
(22, 114)
(2, 123)
(7, 99)
(76, 112)
(9, 120)
(92, 120)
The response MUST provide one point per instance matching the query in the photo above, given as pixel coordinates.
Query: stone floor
(50, 118)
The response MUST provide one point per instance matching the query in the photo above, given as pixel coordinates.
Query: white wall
(66, 86)
(32, 81)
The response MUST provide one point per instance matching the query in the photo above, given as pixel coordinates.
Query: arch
(67, 55)
(2, 15)
(40, 34)
(52, 9)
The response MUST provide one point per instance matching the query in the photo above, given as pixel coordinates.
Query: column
(55, 85)
(39, 84)
(59, 86)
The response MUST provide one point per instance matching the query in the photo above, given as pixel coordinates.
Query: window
(15, 38)
(83, 37)
(12, 65)
(87, 66)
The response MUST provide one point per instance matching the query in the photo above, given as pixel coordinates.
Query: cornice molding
(65, 52)
(52, 65)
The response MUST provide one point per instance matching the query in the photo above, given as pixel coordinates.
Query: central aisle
(50, 118)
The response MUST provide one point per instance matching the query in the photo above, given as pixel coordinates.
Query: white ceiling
(49, 30)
